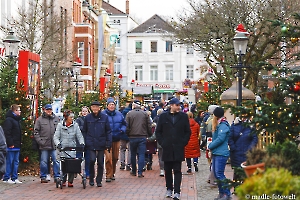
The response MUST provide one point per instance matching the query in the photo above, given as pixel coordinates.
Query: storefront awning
(165, 91)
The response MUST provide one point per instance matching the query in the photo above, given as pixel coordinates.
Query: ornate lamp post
(240, 42)
(11, 44)
(76, 68)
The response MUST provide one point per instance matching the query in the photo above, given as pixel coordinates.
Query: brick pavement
(152, 186)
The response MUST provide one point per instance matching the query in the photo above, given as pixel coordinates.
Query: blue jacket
(126, 110)
(124, 113)
(117, 124)
(219, 144)
(97, 132)
(240, 141)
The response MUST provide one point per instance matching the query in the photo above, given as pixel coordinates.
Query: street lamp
(11, 44)
(76, 68)
(240, 42)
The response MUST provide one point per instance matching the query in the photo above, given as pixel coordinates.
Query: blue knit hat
(110, 100)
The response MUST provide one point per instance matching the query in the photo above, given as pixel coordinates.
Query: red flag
(102, 84)
(206, 86)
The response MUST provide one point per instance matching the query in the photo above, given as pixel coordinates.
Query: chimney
(127, 7)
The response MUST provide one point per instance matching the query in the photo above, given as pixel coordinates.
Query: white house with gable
(157, 65)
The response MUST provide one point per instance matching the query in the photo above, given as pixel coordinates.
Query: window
(153, 73)
(189, 50)
(80, 51)
(169, 72)
(169, 46)
(138, 73)
(190, 71)
(117, 66)
(154, 46)
(138, 47)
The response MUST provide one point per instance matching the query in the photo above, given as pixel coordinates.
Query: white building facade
(157, 65)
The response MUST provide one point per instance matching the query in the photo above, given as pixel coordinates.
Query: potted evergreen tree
(255, 161)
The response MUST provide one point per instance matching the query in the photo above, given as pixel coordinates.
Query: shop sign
(157, 85)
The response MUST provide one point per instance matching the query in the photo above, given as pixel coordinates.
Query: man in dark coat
(173, 133)
(12, 131)
(97, 133)
(240, 141)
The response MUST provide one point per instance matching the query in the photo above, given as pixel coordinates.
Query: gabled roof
(111, 10)
(155, 24)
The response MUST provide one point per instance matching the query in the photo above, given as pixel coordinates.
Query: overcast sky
(144, 9)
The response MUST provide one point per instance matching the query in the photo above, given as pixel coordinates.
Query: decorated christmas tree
(13, 93)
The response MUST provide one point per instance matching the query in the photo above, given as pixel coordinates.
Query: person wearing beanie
(110, 100)
(220, 151)
(118, 127)
(218, 112)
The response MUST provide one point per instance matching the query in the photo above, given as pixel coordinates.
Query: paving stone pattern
(152, 186)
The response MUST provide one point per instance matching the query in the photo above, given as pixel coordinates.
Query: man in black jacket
(173, 133)
(12, 131)
(97, 133)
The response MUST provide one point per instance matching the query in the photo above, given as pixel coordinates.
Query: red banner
(206, 86)
(102, 84)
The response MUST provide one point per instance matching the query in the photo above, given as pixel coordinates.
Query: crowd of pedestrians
(172, 129)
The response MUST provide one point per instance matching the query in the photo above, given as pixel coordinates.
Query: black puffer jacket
(12, 130)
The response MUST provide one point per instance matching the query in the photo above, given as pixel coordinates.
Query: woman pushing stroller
(65, 136)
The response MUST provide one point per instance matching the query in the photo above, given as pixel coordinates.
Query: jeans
(44, 163)
(189, 162)
(99, 155)
(176, 167)
(124, 144)
(137, 146)
(39, 151)
(12, 164)
(218, 167)
(111, 159)
(86, 161)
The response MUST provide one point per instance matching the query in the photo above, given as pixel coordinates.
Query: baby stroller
(71, 165)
